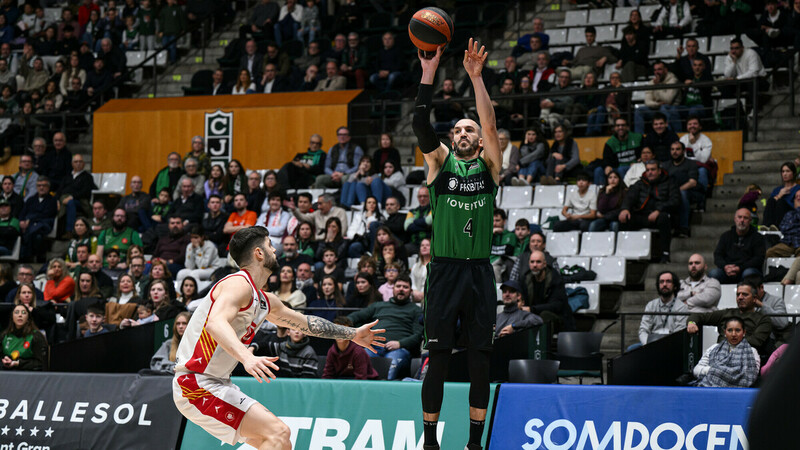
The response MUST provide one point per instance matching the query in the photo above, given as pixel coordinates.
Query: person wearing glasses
(342, 161)
(301, 171)
(24, 275)
(744, 63)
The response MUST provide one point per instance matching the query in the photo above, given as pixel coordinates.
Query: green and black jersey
(462, 204)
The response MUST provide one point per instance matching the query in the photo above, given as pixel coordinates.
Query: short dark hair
(88, 248)
(590, 29)
(214, 196)
(582, 176)
(749, 283)
(737, 41)
(629, 30)
(522, 223)
(676, 282)
(500, 212)
(245, 241)
(197, 230)
(659, 116)
(275, 194)
(403, 277)
(306, 195)
(733, 318)
(110, 251)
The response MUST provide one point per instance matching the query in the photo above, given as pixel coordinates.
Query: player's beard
(463, 151)
(271, 264)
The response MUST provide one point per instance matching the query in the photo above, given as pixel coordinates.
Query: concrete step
(779, 123)
(768, 146)
(750, 167)
(777, 135)
(727, 205)
(774, 155)
(760, 176)
(694, 245)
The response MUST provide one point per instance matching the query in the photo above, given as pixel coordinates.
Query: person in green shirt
(9, 228)
(120, 236)
(522, 233)
(463, 186)
(503, 242)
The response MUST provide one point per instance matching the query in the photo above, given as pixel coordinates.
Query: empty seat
(647, 12)
(14, 255)
(516, 197)
(719, 65)
(633, 244)
(780, 262)
(548, 213)
(606, 33)
(576, 36)
(569, 261)
(563, 244)
(573, 188)
(134, 58)
(599, 243)
(720, 44)
(557, 37)
(514, 214)
(638, 96)
(548, 196)
(666, 48)
(593, 289)
(98, 178)
(609, 269)
(791, 296)
(413, 202)
(600, 16)
(622, 14)
(575, 18)
(112, 183)
(775, 289)
(747, 42)
(710, 336)
(727, 298)
(702, 43)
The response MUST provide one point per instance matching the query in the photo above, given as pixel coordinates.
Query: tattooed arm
(283, 316)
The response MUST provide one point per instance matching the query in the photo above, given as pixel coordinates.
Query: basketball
(430, 28)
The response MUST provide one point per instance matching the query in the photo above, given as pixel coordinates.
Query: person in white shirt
(673, 19)
(202, 257)
(652, 325)
(699, 292)
(638, 168)
(698, 148)
(580, 207)
(275, 219)
(744, 63)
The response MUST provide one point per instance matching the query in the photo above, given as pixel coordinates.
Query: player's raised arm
(364, 335)
(433, 151)
(231, 295)
(474, 59)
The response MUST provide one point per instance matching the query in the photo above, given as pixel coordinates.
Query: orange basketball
(430, 28)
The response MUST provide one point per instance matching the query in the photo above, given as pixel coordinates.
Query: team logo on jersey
(229, 416)
(452, 184)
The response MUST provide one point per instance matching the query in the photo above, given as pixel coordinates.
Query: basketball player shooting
(216, 339)
(460, 285)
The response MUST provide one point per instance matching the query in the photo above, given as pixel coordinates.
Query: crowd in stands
(358, 252)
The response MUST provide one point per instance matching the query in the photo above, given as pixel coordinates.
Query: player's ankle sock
(430, 432)
(476, 431)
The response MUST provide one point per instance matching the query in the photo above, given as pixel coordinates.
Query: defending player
(217, 337)
(460, 284)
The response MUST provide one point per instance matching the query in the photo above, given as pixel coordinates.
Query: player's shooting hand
(367, 337)
(429, 63)
(474, 58)
(259, 367)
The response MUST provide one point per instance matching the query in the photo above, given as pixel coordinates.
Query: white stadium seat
(563, 244)
(569, 261)
(548, 196)
(598, 243)
(728, 297)
(557, 37)
(609, 269)
(775, 289)
(516, 197)
(514, 214)
(600, 16)
(550, 212)
(780, 262)
(791, 296)
(666, 48)
(622, 14)
(721, 44)
(606, 33)
(594, 297)
(575, 18)
(576, 36)
(633, 244)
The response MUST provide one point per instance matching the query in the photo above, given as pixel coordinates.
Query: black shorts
(460, 291)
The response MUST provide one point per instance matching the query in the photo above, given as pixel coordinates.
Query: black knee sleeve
(433, 384)
(478, 363)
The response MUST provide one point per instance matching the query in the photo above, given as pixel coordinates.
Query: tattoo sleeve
(320, 327)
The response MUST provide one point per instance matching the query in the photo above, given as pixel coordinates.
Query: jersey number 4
(468, 227)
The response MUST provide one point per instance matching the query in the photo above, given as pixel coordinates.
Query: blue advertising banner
(556, 417)
(351, 414)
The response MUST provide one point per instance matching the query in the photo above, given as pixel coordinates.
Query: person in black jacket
(682, 67)
(75, 192)
(633, 55)
(546, 296)
(57, 161)
(649, 203)
(37, 218)
(740, 251)
(768, 33)
(8, 194)
(214, 222)
(661, 138)
(389, 65)
(189, 206)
